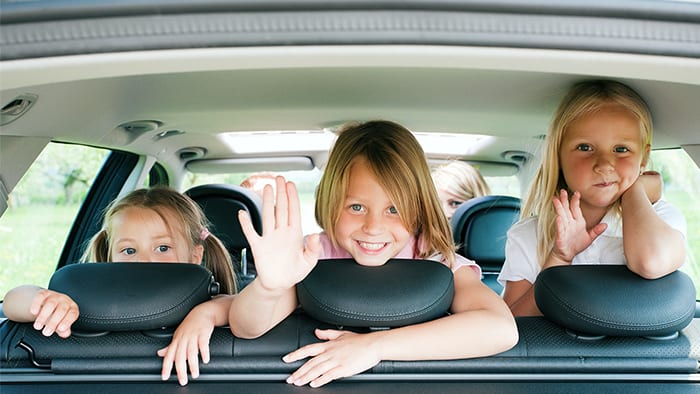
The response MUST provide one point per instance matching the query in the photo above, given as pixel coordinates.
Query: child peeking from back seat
(157, 224)
(375, 201)
(589, 190)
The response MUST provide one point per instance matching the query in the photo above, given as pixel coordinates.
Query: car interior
(198, 95)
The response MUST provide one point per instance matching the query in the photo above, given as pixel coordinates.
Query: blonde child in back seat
(157, 224)
(375, 201)
(591, 189)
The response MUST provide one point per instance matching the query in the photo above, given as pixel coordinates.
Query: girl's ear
(197, 254)
(647, 152)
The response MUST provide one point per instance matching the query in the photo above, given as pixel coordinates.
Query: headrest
(612, 300)
(133, 296)
(398, 293)
(221, 203)
(480, 225)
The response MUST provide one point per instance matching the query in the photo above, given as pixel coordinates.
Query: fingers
(247, 226)
(282, 203)
(55, 312)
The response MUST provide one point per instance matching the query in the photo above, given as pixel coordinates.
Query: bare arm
(281, 259)
(480, 325)
(652, 247)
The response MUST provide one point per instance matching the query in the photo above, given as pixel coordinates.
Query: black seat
(221, 203)
(479, 228)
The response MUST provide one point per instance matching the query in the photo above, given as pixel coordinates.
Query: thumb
(327, 335)
(597, 230)
(313, 247)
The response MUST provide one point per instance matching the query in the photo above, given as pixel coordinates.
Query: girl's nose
(373, 224)
(604, 163)
(145, 258)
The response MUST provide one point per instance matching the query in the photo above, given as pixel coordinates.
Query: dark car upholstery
(221, 203)
(479, 228)
(544, 345)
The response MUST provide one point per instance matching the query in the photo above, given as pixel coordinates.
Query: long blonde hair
(169, 203)
(397, 160)
(460, 179)
(583, 98)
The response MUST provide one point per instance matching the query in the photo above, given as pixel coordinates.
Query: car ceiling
(451, 74)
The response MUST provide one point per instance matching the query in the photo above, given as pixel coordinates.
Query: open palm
(281, 258)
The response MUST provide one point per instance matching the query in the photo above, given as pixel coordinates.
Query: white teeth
(371, 246)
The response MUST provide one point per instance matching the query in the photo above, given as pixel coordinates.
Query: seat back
(479, 228)
(221, 203)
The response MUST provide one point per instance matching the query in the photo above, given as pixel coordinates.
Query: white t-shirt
(521, 244)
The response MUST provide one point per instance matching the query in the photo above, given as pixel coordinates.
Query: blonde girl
(375, 201)
(157, 224)
(457, 182)
(590, 189)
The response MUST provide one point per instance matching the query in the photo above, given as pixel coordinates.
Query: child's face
(601, 156)
(369, 227)
(449, 201)
(141, 235)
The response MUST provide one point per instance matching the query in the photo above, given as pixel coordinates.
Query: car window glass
(681, 178)
(41, 210)
(305, 181)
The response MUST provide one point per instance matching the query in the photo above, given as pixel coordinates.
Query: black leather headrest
(221, 203)
(133, 296)
(612, 300)
(398, 293)
(480, 225)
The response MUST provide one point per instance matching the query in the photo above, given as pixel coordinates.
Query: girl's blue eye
(584, 148)
(454, 203)
(393, 210)
(621, 149)
(129, 251)
(163, 248)
(355, 207)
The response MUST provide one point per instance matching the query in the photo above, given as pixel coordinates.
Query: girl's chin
(370, 261)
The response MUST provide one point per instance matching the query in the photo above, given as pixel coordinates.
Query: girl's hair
(397, 160)
(191, 222)
(584, 98)
(460, 179)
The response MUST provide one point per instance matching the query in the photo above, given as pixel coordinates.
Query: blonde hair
(169, 203)
(397, 160)
(461, 180)
(584, 98)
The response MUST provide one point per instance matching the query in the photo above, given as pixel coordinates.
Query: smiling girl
(590, 190)
(376, 201)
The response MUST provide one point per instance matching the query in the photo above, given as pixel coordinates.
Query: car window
(305, 181)
(681, 179)
(41, 210)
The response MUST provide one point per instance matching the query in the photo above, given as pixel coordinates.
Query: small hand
(281, 258)
(571, 234)
(55, 312)
(653, 185)
(344, 354)
(189, 340)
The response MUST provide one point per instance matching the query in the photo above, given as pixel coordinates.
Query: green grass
(32, 239)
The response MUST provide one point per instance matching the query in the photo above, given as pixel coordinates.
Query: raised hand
(344, 354)
(281, 258)
(571, 234)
